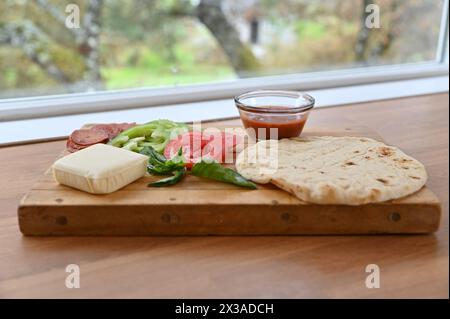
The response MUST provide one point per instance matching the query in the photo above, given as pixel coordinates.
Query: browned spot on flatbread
(382, 180)
(385, 151)
(330, 193)
(374, 194)
(301, 190)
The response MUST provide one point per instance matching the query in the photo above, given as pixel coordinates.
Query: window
(152, 47)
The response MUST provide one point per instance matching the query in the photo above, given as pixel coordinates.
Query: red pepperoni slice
(112, 129)
(88, 137)
(106, 128)
(126, 126)
(73, 150)
(99, 133)
(119, 128)
(72, 147)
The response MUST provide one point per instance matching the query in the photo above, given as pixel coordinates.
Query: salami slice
(72, 147)
(106, 128)
(112, 129)
(88, 137)
(126, 126)
(99, 133)
(73, 150)
(75, 145)
(119, 128)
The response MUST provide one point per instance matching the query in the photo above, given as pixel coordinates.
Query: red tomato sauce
(287, 125)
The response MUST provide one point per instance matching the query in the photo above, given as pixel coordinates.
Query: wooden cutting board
(202, 207)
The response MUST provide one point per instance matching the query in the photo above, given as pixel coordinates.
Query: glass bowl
(270, 114)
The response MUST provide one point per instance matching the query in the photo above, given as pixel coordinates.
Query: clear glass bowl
(274, 114)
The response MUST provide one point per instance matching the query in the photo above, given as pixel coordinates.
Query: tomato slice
(172, 148)
(195, 138)
(213, 151)
(219, 148)
(196, 146)
(232, 141)
(191, 144)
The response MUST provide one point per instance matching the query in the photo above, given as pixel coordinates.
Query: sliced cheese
(100, 169)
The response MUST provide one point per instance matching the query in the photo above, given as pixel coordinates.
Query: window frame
(80, 103)
(59, 127)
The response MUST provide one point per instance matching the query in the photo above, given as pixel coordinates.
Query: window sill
(43, 129)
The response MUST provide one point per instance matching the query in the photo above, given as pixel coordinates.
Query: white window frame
(58, 105)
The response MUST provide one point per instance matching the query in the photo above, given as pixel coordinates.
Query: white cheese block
(100, 169)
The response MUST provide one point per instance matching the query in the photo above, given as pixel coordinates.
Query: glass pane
(46, 47)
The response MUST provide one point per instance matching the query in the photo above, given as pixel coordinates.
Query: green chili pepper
(168, 181)
(219, 173)
(154, 156)
(159, 165)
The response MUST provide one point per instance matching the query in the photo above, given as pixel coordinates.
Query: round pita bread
(333, 170)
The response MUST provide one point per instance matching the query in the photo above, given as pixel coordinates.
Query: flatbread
(333, 170)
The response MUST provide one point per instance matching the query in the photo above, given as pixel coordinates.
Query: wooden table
(239, 267)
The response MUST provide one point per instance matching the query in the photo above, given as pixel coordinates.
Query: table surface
(239, 267)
